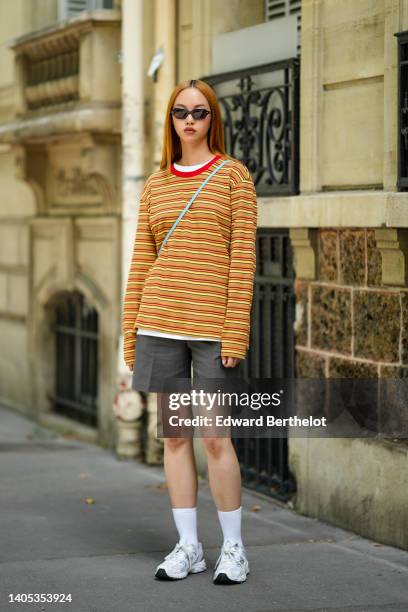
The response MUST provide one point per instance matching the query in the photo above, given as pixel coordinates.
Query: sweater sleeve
(236, 329)
(143, 255)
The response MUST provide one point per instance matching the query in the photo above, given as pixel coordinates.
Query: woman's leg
(223, 467)
(181, 473)
(223, 473)
(181, 477)
(180, 469)
(225, 482)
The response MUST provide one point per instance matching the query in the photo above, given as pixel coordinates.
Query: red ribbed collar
(194, 172)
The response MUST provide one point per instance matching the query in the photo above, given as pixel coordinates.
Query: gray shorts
(158, 358)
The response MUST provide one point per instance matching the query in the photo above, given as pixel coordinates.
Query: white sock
(231, 524)
(186, 523)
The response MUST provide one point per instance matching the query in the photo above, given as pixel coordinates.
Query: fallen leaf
(256, 508)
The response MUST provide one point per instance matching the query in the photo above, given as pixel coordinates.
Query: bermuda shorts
(158, 359)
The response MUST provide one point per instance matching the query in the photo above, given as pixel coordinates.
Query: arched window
(76, 350)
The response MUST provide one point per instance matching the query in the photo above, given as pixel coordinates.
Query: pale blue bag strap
(191, 201)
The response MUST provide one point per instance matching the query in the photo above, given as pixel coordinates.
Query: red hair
(215, 135)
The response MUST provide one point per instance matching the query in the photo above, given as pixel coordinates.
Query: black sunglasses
(183, 113)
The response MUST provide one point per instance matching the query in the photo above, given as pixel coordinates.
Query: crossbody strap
(191, 201)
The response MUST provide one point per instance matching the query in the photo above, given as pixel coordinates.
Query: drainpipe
(133, 144)
(128, 403)
(165, 38)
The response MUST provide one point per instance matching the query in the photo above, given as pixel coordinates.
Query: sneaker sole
(222, 578)
(201, 566)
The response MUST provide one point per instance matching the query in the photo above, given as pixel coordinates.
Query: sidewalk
(105, 553)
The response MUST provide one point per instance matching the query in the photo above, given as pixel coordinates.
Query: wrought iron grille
(264, 461)
(402, 181)
(260, 108)
(76, 345)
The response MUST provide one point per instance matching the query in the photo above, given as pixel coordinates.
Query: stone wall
(350, 324)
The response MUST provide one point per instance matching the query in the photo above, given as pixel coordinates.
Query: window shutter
(68, 8)
(278, 9)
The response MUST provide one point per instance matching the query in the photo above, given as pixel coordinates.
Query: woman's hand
(230, 362)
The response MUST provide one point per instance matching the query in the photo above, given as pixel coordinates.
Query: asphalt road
(104, 553)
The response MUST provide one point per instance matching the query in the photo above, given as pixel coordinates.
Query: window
(69, 8)
(402, 179)
(76, 359)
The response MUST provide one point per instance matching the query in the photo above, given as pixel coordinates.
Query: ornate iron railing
(264, 461)
(260, 108)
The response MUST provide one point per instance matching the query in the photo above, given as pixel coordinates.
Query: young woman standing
(191, 305)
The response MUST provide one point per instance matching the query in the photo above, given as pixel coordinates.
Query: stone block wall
(350, 324)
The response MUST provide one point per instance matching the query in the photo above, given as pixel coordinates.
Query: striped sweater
(143, 331)
(202, 283)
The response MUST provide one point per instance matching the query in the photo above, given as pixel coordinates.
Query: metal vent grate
(278, 9)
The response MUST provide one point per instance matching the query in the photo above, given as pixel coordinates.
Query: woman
(191, 305)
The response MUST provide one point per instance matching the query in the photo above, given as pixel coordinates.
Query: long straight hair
(215, 135)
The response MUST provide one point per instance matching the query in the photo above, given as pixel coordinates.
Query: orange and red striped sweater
(202, 282)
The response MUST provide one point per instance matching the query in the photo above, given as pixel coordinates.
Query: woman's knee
(216, 446)
(174, 444)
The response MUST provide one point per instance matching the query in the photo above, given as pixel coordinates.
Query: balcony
(260, 108)
(56, 68)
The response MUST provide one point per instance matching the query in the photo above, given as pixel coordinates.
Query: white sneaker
(185, 558)
(232, 565)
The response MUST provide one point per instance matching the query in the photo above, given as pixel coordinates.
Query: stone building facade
(60, 222)
(350, 248)
(75, 151)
